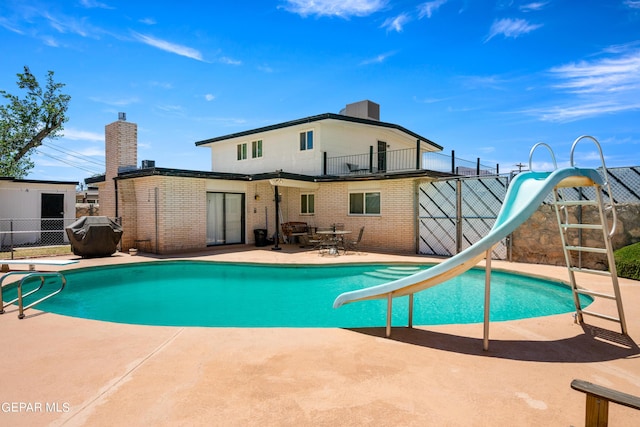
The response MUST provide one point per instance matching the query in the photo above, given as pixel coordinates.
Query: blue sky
(487, 79)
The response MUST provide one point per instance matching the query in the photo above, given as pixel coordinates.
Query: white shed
(33, 212)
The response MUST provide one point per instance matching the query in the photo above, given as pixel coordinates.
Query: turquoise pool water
(187, 293)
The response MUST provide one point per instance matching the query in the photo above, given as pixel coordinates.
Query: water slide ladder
(571, 232)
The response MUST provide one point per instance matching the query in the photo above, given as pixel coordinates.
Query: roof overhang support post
(417, 154)
(277, 194)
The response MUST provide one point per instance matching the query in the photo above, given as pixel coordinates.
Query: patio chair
(353, 244)
(353, 168)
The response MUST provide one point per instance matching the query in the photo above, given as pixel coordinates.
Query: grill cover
(94, 236)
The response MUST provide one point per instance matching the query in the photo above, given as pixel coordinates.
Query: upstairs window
(364, 203)
(307, 204)
(256, 149)
(306, 140)
(242, 151)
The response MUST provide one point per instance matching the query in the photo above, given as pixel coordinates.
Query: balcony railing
(404, 160)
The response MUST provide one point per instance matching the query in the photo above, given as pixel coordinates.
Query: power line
(67, 162)
(73, 154)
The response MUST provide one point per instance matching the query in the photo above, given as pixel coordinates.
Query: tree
(26, 122)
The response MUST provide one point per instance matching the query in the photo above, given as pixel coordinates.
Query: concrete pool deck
(57, 370)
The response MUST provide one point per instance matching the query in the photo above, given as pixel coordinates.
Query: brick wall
(393, 230)
(168, 212)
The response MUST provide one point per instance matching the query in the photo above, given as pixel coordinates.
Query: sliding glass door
(225, 218)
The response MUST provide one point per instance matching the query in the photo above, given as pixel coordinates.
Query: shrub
(628, 261)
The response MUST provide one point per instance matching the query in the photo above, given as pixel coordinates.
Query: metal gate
(453, 214)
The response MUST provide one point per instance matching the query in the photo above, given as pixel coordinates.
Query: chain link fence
(24, 233)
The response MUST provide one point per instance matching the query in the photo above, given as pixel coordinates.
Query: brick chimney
(121, 154)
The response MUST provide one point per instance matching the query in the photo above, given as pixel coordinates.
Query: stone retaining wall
(537, 241)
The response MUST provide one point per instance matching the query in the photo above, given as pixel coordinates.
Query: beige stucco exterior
(281, 146)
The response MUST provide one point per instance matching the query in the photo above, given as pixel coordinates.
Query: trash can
(261, 237)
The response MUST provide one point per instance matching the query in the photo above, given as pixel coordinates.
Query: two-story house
(348, 168)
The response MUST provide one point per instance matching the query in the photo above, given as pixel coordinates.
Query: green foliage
(26, 122)
(628, 261)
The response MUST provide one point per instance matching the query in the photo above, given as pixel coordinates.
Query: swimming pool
(213, 294)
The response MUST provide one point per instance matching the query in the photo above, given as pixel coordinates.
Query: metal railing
(404, 160)
(21, 294)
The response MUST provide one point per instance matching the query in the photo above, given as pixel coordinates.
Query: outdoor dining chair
(353, 244)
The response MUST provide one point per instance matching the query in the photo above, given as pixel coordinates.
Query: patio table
(333, 240)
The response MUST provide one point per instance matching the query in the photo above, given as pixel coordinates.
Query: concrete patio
(59, 370)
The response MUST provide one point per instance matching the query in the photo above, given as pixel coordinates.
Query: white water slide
(524, 195)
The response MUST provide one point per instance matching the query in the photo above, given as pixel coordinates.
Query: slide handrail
(605, 177)
(542, 144)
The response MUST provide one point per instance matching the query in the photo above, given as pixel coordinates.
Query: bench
(598, 398)
(32, 262)
(144, 245)
(294, 229)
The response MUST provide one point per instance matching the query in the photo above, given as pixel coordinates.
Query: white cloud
(511, 28)
(163, 85)
(427, 9)
(603, 86)
(533, 7)
(397, 23)
(82, 135)
(70, 25)
(578, 111)
(377, 59)
(341, 8)
(148, 21)
(169, 47)
(115, 102)
(9, 26)
(93, 4)
(230, 61)
(209, 97)
(632, 4)
(609, 75)
(50, 41)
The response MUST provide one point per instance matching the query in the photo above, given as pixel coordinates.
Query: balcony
(405, 160)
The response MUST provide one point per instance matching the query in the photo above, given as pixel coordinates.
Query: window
(242, 151)
(256, 149)
(307, 204)
(364, 203)
(306, 140)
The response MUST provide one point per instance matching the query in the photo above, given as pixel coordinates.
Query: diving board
(32, 262)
